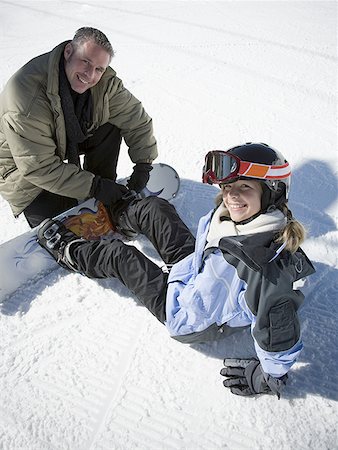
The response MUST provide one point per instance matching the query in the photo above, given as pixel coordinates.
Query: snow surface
(83, 366)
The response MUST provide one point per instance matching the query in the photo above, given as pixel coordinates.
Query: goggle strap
(262, 171)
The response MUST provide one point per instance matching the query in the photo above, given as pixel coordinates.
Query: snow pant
(158, 220)
(101, 152)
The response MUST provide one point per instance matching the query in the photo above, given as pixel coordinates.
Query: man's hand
(140, 177)
(246, 377)
(107, 191)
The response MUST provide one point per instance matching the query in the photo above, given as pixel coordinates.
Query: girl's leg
(158, 220)
(113, 258)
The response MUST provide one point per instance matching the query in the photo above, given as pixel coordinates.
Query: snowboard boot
(54, 237)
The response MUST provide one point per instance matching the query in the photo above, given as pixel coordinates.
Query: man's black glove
(140, 177)
(107, 191)
(246, 377)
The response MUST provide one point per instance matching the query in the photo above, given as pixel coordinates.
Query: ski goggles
(222, 167)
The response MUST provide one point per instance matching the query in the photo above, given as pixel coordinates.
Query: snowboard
(22, 258)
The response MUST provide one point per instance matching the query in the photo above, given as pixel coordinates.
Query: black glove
(107, 191)
(246, 377)
(140, 177)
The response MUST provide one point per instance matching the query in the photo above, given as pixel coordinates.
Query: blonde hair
(293, 234)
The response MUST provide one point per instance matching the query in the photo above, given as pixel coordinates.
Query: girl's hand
(246, 377)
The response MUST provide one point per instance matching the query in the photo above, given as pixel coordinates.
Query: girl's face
(242, 199)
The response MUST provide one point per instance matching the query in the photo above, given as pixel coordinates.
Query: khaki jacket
(33, 135)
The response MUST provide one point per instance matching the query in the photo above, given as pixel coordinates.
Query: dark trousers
(101, 152)
(158, 220)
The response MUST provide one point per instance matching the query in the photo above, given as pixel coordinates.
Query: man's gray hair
(85, 34)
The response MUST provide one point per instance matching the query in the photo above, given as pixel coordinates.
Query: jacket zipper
(6, 174)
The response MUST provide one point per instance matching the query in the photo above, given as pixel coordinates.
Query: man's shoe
(53, 236)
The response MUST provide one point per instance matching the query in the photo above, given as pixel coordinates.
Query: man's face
(85, 65)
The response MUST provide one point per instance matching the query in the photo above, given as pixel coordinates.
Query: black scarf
(77, 111)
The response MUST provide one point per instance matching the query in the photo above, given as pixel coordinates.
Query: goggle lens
(220, 166)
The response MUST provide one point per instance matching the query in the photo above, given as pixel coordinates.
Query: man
(61, 105)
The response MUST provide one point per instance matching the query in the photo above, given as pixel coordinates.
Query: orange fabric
(257, 170)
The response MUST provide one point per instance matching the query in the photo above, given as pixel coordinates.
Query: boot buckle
(52, 236)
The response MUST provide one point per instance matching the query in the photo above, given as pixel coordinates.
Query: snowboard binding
(54, 237)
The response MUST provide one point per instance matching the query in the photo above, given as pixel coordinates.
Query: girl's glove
(246, 377)
(140, 177)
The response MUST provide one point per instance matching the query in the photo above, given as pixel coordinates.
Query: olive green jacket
(33, 134)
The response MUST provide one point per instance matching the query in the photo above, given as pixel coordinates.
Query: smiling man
(59, 106)
(85, 64)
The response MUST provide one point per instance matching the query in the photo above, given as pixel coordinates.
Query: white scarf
(272, 221)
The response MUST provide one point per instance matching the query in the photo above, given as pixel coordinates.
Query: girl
(239, 273)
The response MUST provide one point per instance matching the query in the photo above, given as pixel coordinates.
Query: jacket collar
(254, 250)
(257, 251)
(219, 228)
(53, 70)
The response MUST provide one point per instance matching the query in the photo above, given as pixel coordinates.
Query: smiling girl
(240, 272)
(242, 199)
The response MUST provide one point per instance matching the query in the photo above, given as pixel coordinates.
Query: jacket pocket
(284, 327)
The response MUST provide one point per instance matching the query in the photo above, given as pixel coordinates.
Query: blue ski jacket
(243, 281)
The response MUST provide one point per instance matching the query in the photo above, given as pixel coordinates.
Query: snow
(83, 365)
